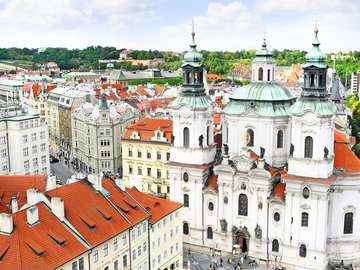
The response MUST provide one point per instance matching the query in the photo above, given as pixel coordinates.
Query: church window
(185, 177)
(185, 228)
(186, 137)
(306, 193)
(211, 206)
(268, 75)
(308, 147)
(209, 233)
(302, 251)
(208, 135)
(250, 137)
(280, 139)
(261, 74)
(201, 76)
(276, 216)
(186, 200)
(275, 245)
(304, 219)
(348, 223)
(187, 77)
(312, 80)
(243, 205)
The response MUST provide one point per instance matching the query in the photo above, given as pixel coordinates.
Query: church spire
(193, 44)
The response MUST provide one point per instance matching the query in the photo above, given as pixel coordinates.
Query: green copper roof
(264, 55)
(193, 57)
(195, 102)
(315, 57)
(321, 108)
(268, 91)
(261, 108)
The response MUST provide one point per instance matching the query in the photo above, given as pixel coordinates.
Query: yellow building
(145, 150)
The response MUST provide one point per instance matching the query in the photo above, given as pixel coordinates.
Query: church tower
(193, 150)
(312, 121)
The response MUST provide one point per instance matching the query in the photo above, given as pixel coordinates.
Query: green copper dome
(315, 57)
(264, 55)
(193, 57)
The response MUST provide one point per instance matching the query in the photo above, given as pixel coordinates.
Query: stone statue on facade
(258, 232)
(226, 150)
(223, 225)
(326, 152)
(292, 148)
(201, 139)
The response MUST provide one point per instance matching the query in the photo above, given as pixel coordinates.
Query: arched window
(187, 77)
(306, 193)
(186, 137)
(185, 228)
(261, 74)
(348, 223)
(280, 139)
(268, 75)
(209, 233)
(185, 177)
(304, 219)
(308, 147)
(208, 135)
(312, 80)
(275, 245)
(250, 137)
(302, 251)
(243, 205)
(186, 200)
(201, 76)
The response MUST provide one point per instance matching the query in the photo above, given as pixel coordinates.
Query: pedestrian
(221, 262)
(242, 260)
(210, 268)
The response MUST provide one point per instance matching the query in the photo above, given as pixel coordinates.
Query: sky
(166, 24)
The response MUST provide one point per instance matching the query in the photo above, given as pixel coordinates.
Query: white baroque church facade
(287, 185)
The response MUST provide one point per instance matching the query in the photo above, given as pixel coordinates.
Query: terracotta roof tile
(146, 128)
(157, 207)
(16, 185)
(33, 247)
(81, 209)
(125, 204)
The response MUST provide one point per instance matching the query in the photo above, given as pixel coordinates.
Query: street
(61, 171)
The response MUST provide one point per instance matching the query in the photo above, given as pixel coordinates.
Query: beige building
(146, 149)
(96, 135)
(61, 102)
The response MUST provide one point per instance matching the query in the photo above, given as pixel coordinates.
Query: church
(285, 187)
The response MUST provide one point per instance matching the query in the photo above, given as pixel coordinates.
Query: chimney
(32, 196)
(32, 215)
(6, 223)
(57, 207)
(120, 183)
(96, 181)
(51, 183)
(14, 204)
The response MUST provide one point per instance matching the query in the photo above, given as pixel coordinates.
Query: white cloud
(222, 27)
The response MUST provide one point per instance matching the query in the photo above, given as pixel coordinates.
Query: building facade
(280, 191)
(146, 149)
(24, 145)
(96, 135)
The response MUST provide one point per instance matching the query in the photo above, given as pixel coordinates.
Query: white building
(284, 189)
(96, 135)
(24, 145)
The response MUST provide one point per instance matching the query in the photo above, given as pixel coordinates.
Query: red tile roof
(159, 89)
(157, 207)
(214, 76)
(16, 185)
(146, 128)
(279, 191)
(345, 158)
(87, 211)
(125, 204)
(22, 248)
(212, 182)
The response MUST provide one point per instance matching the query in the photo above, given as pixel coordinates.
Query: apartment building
(146, 149)
(96, 135)
(61, 102)
(23, 141)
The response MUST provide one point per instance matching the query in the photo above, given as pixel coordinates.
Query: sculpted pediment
(242, 163)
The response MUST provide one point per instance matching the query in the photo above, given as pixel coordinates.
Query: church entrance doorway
(241, 238)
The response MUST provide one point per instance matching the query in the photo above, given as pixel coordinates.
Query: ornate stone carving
(223, 225)
(258, 232)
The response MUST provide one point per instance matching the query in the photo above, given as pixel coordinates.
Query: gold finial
(316, 29)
